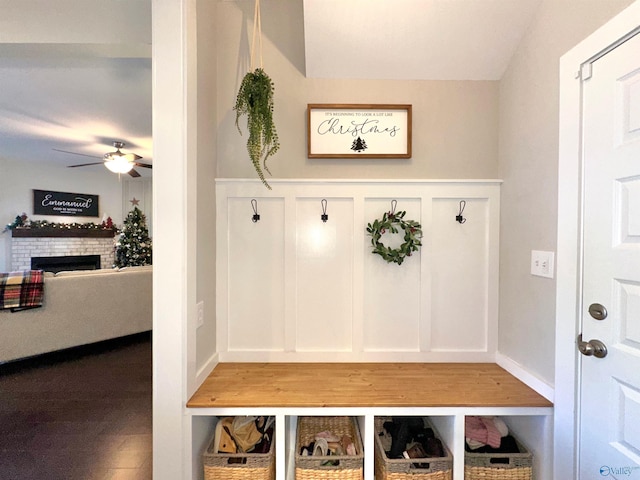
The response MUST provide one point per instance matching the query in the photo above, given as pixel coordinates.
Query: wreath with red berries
(393, 222)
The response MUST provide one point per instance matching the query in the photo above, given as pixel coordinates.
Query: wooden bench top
(237, 385)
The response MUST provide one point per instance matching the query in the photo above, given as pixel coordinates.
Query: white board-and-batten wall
(291, 287)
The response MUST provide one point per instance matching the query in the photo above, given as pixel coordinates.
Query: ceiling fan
(117, 162)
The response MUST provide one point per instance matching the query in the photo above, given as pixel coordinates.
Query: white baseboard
(207, 368)
(358, 357)
(518, 371)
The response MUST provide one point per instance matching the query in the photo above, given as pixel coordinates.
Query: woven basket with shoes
(499, 466)
(328, 467)
(427, 468)
(238, 466)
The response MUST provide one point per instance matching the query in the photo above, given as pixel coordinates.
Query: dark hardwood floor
(83, 414)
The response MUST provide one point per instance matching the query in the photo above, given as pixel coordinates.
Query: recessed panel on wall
(256, 274)
(292, 287)
(459, 275)
(391, 292)
(324, 274)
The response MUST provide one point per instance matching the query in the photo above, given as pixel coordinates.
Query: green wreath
(391, 221)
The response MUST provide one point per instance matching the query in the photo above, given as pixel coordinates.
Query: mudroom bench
(445, 392)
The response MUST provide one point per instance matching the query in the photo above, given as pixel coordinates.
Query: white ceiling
(413, 39)
(75, 75)
(75, 104)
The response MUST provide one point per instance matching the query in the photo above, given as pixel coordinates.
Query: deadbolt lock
(592, 348)
(597, 311)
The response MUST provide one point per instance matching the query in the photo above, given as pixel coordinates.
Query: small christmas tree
(359, 145)
(134, 245)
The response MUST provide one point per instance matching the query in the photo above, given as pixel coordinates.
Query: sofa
(79, 307)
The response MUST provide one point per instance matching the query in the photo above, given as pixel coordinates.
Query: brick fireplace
(27, 243)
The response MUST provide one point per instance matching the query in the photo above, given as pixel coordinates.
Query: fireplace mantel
(61, 233)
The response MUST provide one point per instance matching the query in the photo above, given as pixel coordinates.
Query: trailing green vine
(255, 99)
(390, 222)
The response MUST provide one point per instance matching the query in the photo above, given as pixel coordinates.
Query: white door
(609, 443)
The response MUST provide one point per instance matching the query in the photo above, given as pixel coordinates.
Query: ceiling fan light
(119, 165)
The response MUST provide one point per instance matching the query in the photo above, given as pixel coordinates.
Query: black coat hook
(459, 218)
(394, 204)
(254, 205)
(324, 217)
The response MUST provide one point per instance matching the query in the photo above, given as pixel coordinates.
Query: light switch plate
(542, 263)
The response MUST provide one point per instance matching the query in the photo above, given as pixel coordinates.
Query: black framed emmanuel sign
(358, 131)
(47, 202)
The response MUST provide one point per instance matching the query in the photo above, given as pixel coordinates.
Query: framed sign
(46, 202)
(358, 131)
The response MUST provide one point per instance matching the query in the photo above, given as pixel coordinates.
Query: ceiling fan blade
(130, 157)
(145, 165)
(74, 153)
(85, 164)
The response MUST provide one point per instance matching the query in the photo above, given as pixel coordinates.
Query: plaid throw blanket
(21, 290)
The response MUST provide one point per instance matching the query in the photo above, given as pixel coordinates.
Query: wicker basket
(239, 466)
(499, 466)
(349, 467)
(439, 468)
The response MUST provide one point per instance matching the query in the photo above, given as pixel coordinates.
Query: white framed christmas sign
(358, 131)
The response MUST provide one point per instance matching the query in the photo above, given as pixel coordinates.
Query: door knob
(592, 348)
(597, 311)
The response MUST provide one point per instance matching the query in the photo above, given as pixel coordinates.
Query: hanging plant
(255, 99)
